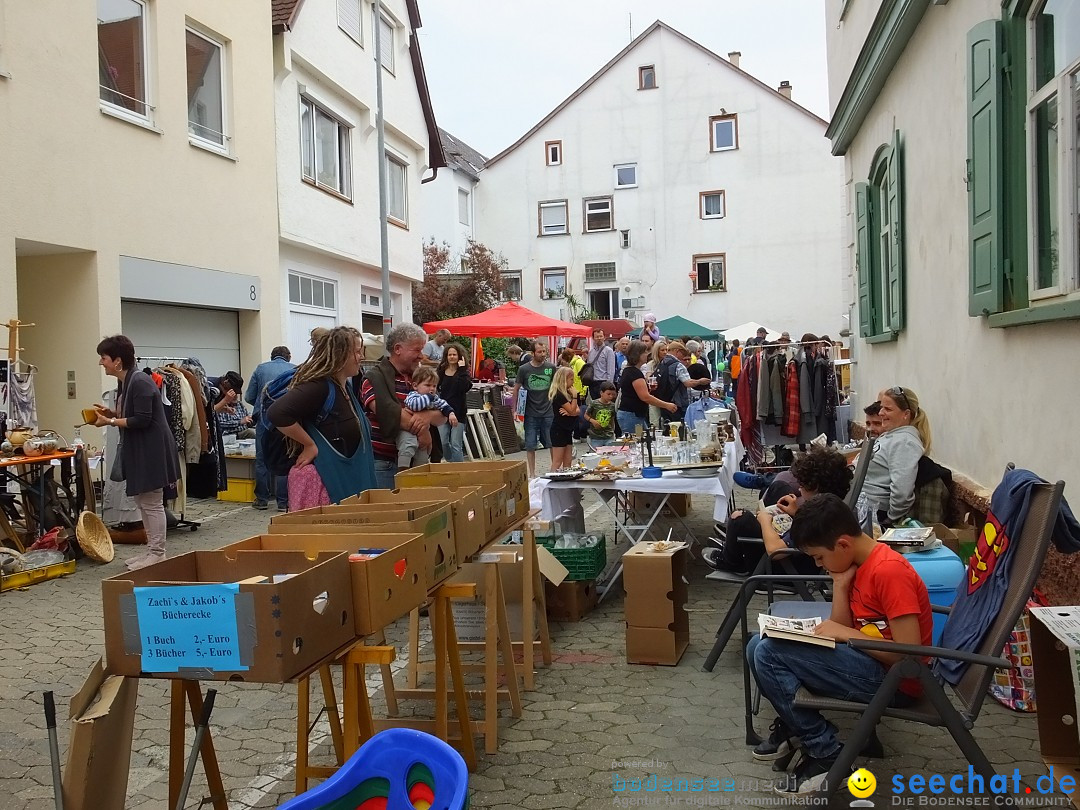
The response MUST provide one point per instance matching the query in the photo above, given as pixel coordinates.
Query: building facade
(138, 186)
(959, 124)
(673, 182)
(328, 161)
(449, 202)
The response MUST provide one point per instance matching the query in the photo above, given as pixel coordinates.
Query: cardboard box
(468, 509)
(645, 503)
(384, 588)
(360, 513)
(1055, 650)
(513, 474)
(437, 528)
(655, 585)
(570, 601)
(948, 538)
(99, 753)
(658, 645)
(194, 616)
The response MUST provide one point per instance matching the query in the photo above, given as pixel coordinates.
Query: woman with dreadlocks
(325, 424)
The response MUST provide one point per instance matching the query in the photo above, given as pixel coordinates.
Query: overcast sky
(496, 67)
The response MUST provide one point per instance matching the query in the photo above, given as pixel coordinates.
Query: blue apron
(345, 476)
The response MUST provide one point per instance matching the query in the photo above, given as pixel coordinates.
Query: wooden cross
(13, 327)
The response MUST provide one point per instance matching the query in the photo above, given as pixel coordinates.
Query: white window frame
(551, 205)
(1068, 171)
(311, 307)
(344, 150)
(464, 206)
(398, 167)
(553, 153)
(147, 117)
(712, 259)
(226, 139)
(512, 276)
(386, 51)
(642, 84)
(344, 9)
(599, 206)
(624, 238)
(724, 118)
(615, 172)
(552, 273)
(723, 203)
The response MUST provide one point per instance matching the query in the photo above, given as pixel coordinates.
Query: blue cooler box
(942, 571)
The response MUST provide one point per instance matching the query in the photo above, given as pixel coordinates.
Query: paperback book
(801, 630)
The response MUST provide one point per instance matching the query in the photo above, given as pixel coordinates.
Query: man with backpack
(673, 381)
(264, 374)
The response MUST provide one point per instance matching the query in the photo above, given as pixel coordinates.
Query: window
(348, 19)
(397, 191)
(206, 90)
(309, 291)
(713, 205)
(553, 153)
(879, 246)
(123, 57)
(624, 238)
(463, 206)
(552, 216)
(710, 273)
(597, 214)
(552, 282)
(626, 175)
(324, 148)
(386, 41)
(511, 286)
(646, 76)
(599, 271)
(724, 132)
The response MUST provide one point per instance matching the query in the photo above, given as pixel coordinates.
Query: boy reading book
(875, 592)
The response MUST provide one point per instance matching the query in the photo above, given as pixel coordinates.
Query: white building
(448, 203)
(328, 161)
(673, 181)
(959, 125)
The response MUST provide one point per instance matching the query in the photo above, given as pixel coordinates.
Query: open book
(909, 538)
(792, 629)
(780, 520)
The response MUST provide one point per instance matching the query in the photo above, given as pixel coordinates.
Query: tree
(455, 289)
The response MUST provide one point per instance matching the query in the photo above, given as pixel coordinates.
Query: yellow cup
(89, 415)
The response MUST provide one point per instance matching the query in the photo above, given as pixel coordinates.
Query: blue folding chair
(397, 769)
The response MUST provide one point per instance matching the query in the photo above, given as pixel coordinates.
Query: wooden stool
(177, 732)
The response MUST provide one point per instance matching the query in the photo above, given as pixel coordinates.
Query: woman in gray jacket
(890, 478)
(148, 460)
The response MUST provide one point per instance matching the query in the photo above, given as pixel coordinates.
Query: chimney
(733, 57)
(785, 89)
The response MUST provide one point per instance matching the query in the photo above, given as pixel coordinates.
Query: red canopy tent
(509, 320)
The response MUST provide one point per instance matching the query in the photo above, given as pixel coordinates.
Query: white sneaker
(144, 559)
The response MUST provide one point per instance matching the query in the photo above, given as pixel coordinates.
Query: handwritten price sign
(188, 627)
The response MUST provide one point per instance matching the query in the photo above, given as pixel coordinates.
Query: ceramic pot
(6, 448)
(32, 448)
(17, 436)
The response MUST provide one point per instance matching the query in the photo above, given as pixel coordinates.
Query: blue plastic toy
(397, 769)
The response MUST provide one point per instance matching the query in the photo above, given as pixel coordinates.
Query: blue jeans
(264, 480)
(538, 431)
(385, 470)
(453, 441)
(628, 422)
(781, 667)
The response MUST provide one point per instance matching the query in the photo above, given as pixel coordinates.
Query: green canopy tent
(677, 327)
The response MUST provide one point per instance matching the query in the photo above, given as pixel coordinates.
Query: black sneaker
(777, 588)
(714, 558)
(261, 505)
(809, 776)
(780, 742)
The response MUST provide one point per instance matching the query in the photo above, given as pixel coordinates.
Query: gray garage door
(164, 330)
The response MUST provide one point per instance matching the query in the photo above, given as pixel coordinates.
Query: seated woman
(905, 438)
(232, 415)
(491, 370)
(820, 470)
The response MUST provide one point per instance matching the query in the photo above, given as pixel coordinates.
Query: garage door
(162, 330)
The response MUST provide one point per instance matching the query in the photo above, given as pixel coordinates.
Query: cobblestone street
(590, 713)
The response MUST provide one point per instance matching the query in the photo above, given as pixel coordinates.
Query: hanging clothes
(791, 402)
(23, 399)
(745, 402)
(807, 420)
(823, 424)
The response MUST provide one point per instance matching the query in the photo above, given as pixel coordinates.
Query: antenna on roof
(630, 14)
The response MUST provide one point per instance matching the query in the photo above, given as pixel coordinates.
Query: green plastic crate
(581, 563)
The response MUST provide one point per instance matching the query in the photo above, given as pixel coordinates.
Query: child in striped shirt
(422, 398)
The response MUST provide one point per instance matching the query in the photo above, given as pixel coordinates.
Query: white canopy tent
(745, 331)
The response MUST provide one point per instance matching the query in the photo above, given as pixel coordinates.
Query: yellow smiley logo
(861, 783)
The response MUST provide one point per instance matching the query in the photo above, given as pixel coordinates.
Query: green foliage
(452, 288)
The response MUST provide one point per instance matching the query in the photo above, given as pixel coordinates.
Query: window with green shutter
(879, 244)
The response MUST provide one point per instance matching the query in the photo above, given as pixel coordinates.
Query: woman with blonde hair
(564, 404)
(905, 439)
(657, 354)
(326, 425)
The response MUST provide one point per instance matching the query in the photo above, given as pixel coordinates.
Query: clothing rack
(141, 360)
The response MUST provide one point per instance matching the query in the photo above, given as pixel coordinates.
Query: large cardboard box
(513, 475)
(644, 503)
(203, 615)
(467, 502)
(570, 601)
(361, 512)
(657, 625)
(384, 587)
(437, 528)
(658, 645)
(1055, 650)
(99, 755)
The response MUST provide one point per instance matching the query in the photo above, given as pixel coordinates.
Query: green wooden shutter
(984, 171)
(863, 261)
(895, 281)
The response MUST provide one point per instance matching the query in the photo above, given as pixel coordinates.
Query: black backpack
(273, 444)
(665, 382)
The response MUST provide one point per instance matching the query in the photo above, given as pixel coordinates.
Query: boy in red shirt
(875, 592)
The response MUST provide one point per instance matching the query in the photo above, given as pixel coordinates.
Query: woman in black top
(564, 404)
(454, 383)
(636, 399)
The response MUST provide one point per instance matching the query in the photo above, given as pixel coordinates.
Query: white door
(300, 326)
(166, 330)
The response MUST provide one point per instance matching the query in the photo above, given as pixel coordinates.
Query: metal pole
(193, 758)
(54, 751)
(380, 129)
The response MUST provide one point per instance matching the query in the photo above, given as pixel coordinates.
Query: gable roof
(283, 14)
(460, 156)
(633, 44)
